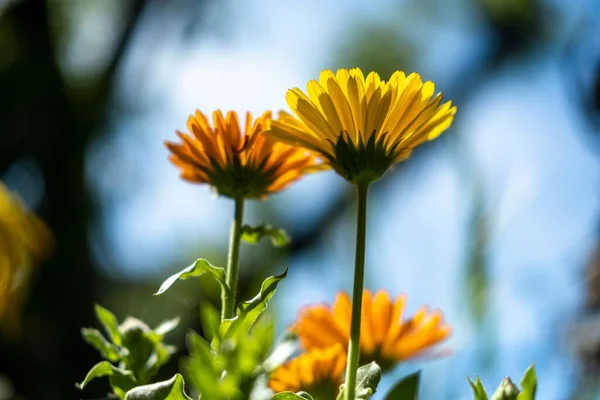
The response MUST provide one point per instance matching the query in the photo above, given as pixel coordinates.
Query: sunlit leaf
(200, 367)
(367, 379)
(198, 268)
(249, 311)
(107, 350)
(173, 389)
(406, 388)
(528, 384)
(166, 326)
(109, 322)
(479, 392)
(102, 369)
(253, 235)
(210, 319)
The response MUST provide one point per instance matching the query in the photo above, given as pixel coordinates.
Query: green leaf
(406, 388)
(166, 326)
(198, 268)
(479, 392)
(107, 350)
(210, 319)
(110, 324)
(102, 369)
(200, 367)
(249, 311)
(253, 235)
(367, 379)
(292, 396)
(173, 389)
(161, 355)
(528, 384)
(141, 342)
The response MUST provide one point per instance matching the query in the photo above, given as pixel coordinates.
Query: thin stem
(233, 260)
(359, 275)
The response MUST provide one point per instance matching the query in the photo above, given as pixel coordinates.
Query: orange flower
(385, 337)
(318, 372)
(237, 162)
(24, 240)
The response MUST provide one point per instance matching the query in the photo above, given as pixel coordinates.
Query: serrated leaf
(102, 369)
(479, 392)
(198, 268)
(249, 311)
(167, 326)
(94, 338)
(110, 324)
(406, 388)
(210, 319)
(253, 235)
(173, 389)
(528, 384)
(292, 396)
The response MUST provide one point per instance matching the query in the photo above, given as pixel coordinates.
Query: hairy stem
(359, 274)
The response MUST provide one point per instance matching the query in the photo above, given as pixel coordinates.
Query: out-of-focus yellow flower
(359, 126)
(237, 162)
(318, 372)
(385, 337)
(24, 240)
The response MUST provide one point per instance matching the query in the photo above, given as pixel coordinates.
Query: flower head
(24, 239)
(359, 126)
(237, 161)
(385, 336)
(318, 372)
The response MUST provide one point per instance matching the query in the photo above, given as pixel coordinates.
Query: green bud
(506, 391)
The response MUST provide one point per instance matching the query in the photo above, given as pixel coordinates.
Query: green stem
(233, 260)
(359, 275)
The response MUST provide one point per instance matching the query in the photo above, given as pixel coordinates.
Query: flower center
(362, 162)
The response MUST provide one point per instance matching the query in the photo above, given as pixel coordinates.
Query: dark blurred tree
(49, 123)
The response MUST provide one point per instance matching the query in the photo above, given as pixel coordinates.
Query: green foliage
(121, 379)
(253, 235)
(248, 311)
(228, 367)
(167, 390)
(479, 392)
(528, 384)
(138, 350)
(507, 389)
(406, 388)
(292, 396)
(198, 268)
(367, 379)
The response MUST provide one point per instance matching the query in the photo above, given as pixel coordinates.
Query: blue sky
(519, 138)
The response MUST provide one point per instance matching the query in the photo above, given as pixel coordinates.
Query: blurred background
(496, 223)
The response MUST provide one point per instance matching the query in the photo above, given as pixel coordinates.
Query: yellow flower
(318, 372)
(359, 126)
(385, 337)
(236, 162)
(24, 239)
